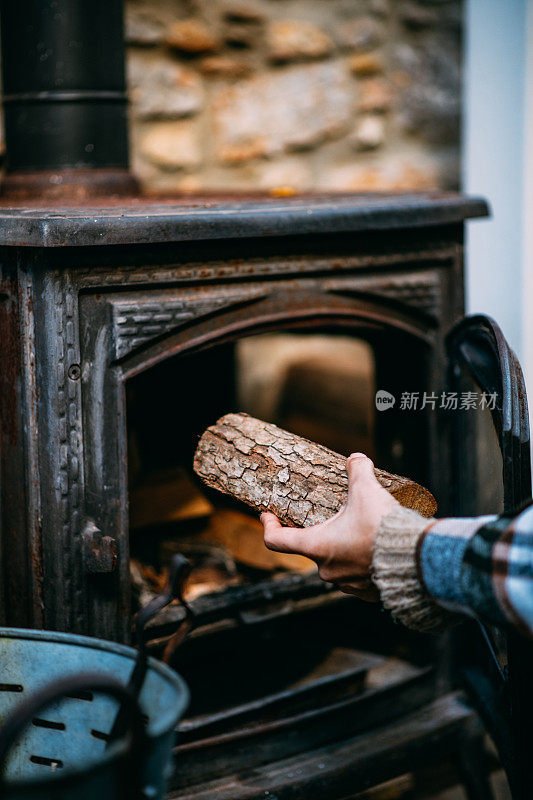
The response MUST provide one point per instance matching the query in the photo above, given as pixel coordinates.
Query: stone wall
(292, 95)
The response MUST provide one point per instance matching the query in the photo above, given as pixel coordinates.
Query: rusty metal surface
(199, 263)
(143, 222)
(442, 729)
(81, 185)
(99, 551)
(292, 730)
(94, 317)
(20, 531)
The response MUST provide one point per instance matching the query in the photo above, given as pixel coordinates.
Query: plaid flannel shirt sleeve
(482, 566)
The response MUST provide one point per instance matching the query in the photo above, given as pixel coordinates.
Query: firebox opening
(318, 385)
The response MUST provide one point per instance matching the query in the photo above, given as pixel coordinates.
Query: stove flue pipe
(64, 98)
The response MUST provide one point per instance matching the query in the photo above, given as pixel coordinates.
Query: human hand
(342, 546)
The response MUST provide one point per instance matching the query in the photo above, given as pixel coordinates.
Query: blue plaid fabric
(482, 566)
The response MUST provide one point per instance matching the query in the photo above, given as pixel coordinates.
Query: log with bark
(301, 482)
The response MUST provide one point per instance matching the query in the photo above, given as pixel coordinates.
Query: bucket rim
(92, 642)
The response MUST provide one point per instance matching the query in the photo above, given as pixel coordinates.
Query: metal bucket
(62, 694)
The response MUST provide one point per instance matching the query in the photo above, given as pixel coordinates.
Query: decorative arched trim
(285, 309)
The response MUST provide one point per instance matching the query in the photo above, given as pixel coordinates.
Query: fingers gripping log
(299, 481)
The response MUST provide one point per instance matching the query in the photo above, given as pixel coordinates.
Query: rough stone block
(141, 26)
(410, 171)
(288, 174)
(162, 89)
(362, 34)
(172, 145)
(191, 36)
(225, 67)
(289, 109)
(366, 64)
(369, 133)
(294, 39)
(374, 95)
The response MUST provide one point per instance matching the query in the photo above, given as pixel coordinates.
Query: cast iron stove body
(92, 297)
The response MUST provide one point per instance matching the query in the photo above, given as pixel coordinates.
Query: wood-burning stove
(298, 691)
(91, 298)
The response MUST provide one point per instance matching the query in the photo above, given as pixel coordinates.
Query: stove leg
(473, 766)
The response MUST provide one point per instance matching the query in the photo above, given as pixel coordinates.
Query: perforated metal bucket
(63, 751)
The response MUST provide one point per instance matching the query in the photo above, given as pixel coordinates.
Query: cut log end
(301, 482)
(416, 497)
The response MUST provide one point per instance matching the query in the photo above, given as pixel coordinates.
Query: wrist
(396, 572)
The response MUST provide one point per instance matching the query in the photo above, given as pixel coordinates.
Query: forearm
(482, 566)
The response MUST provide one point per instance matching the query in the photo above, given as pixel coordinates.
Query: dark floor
(410, 787)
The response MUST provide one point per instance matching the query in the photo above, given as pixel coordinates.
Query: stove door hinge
(99, 552)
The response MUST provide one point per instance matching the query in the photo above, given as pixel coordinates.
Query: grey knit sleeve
(395, 572)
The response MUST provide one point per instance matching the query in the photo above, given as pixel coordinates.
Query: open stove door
(491, 473)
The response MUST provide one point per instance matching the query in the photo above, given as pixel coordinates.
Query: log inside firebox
(270, 469)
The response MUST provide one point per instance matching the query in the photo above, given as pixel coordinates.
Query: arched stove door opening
(132, 338)
(320, 385)
(271, 634)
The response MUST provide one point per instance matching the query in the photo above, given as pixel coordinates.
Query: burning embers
(170, 514)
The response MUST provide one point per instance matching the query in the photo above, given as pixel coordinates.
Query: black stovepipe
(64, 92)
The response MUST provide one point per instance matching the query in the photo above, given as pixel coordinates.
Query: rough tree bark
(273, 470)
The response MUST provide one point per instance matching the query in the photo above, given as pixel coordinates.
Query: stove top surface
(151, 220)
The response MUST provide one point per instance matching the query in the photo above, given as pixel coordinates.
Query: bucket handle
(21, 717)
(179, 571)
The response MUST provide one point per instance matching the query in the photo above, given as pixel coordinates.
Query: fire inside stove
(316, 385)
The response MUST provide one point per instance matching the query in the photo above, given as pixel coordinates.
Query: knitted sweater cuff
(396, 575)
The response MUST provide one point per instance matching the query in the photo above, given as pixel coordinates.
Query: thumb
(359, 469)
